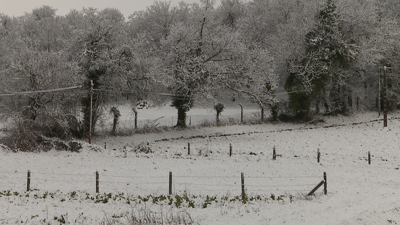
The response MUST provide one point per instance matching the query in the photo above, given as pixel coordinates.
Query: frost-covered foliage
(322, 71)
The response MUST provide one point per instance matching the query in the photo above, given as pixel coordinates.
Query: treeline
(325, 54)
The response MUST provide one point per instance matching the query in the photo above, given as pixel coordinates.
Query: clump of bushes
(42, 134)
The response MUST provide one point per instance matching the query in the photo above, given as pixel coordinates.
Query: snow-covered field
(167, 115)
(63, 183)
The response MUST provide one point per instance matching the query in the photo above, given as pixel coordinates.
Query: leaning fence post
(243, 192)
(369, 158)
(325, 184)
(318, 155)
(230, 149)
(28, 181)
(316, 188)
(97, 181)
(170, 183)
(274, 154)
(188, 148)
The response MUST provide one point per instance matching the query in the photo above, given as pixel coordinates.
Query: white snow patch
(358, 193)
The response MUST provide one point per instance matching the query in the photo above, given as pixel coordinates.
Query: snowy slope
(358, 193)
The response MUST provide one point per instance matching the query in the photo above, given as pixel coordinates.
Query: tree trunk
(350, 100)
(274, 111)
(344, 96)
(34, 105)
(181, 117)
(136, 115)
(115, 122)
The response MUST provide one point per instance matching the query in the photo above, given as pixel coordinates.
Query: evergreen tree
(323, 66)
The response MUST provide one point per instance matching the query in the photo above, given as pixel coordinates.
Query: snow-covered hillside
(63, 183)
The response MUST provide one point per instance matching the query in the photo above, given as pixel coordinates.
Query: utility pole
(379, 95)
(384, 98)
(90, 112)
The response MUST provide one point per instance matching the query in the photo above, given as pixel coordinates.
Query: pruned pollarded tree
(116, 114)
(200, 52)
(205, 56)
(187, 62)
(219, 107)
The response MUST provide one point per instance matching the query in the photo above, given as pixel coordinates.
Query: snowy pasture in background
(63, 183)
(167, 115)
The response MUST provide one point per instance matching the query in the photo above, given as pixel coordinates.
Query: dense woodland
(327, 56)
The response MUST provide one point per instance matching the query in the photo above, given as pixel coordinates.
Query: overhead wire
(40, 91)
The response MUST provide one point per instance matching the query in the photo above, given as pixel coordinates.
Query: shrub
(25, 134)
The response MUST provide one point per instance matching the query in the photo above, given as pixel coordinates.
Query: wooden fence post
(188, 148)
(97, 181)
(325, 184)
(316, 188)
(243, 192)
(105, 145)
(28, 181)
(170, 183)
(318, 155)
(136, 117)
(369, 158)
(241, 113)
(274, 154)
(91, 112)
(262, 114)
(230, 149)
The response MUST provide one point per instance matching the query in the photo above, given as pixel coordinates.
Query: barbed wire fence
(179, 184)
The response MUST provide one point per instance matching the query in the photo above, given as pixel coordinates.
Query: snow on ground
(167, 115)
(63, 183)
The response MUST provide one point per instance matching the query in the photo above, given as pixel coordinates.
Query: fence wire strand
(139, 177)
(229, 177)
(51, 180)
(211, 185)
(135, 185)
(60, 174)
(294, 185)
(122, 182)
(299, 177)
